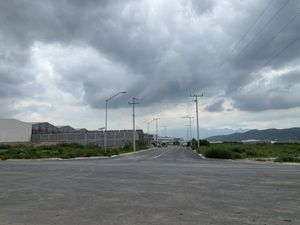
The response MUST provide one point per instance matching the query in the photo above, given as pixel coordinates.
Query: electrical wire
(278, 54)
(265, 26)
(248, 31)
(253, 25)
(277, 34)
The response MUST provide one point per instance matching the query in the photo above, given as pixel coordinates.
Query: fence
(113, 138)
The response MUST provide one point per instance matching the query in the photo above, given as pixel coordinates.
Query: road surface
(166, 186)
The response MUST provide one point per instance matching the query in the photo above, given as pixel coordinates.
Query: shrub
(128, 146)
(235, 155)
(68, 153)
(94, 152)
(218, 153)
(287, 158)
(204, 143)
(194, 143)
(4, 147)
(31, 154)
(70, 145)
(251, 153)
(141, 145)
(4, 157)
(238, 150)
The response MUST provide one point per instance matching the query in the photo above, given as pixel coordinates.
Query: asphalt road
(167, 186)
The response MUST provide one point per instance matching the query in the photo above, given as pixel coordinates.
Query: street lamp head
(121, 92)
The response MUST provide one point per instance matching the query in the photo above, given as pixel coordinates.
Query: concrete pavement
(161, 186)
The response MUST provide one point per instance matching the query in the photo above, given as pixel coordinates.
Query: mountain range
(289, 134)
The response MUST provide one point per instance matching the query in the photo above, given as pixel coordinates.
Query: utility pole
(187, 132)
(156, 120)
(133, 103)
(196, 96)
(190, 130)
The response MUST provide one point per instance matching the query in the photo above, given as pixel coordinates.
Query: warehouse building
(12, 130)
(66, 129)
(44, 128)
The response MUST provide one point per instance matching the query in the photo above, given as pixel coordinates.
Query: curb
(201, 156)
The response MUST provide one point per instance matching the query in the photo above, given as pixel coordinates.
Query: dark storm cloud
(265, 42)
(14, 75)
(156, 51)
(9, 84)
(261, 101)
(274, 46)
(216, 106)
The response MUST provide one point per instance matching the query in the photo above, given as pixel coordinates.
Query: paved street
(167, 186)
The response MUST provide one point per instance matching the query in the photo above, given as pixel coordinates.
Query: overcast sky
(60, 60)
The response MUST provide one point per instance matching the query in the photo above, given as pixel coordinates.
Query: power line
(265, 26)
(275, 36)
(248, 31)
(253, 25)
(279, 53)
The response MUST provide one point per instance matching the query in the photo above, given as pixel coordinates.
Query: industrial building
(15, 131)
(12, 130)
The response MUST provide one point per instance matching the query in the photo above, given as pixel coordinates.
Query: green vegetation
(281, 152)
(64, 151)
(194, 143)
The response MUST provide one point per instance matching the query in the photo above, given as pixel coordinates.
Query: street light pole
(133, 103)
(190, 128)
(105, 144)
(106, 103)
(156, 120)
(148, 138)
(165, 130)
(196, 101)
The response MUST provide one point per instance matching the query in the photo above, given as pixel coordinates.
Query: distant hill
(290, 134)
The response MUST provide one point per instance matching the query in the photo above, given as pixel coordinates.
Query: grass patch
(287, 158)
(283, 152)
(63, 150)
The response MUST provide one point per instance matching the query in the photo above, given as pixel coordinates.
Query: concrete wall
(12, 130)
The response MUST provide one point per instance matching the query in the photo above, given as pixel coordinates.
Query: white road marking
(164, 152)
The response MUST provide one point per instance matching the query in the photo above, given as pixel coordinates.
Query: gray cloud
(162, 51)
(216, 106)
(273, 92)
